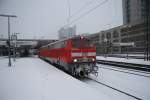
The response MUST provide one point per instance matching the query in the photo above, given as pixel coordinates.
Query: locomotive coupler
(95, 70)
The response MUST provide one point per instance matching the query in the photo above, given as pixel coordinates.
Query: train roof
(62, 40)
(55, 42)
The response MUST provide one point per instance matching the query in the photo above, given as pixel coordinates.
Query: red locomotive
(75, 55)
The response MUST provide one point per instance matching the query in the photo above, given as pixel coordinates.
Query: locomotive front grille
(84, 60)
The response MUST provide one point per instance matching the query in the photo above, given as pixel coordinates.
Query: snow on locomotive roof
(55, 42)
(63, 40)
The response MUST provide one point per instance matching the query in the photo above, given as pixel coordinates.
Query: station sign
(124, 44)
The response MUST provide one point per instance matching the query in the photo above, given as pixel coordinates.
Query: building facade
(133, 37)
(121, 40)
(105, 40)
(134, 11)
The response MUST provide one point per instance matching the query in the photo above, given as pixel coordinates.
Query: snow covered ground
(34, 79)
(129, 55)
(133, 84)
(136, 61)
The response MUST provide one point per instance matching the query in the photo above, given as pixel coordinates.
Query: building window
(115, 34)
(143, 8)
(116, 40)
(108, 35)
(103, 36)
(128, 11)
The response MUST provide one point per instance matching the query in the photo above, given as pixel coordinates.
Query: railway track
(139, 67)
(127, 69)
(115, 89)
(147, 75)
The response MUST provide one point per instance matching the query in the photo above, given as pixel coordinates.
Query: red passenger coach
(75, 55)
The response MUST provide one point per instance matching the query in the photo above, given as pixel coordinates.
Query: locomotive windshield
(81, 42)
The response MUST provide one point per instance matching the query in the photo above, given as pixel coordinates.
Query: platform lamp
(9, 16)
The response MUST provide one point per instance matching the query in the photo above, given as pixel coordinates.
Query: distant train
(75, 55)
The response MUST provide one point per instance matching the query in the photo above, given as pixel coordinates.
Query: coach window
(103, 37)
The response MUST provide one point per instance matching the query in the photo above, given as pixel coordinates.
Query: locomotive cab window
(81, 42)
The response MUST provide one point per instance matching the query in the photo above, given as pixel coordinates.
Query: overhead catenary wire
(78, 11)
(108, 25)
(89, 11)
(82, 8)
(86, 13)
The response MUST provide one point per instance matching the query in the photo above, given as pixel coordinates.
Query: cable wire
(68, 20)
(86, 13)
(83, 7)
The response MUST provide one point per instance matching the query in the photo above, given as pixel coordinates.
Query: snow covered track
(141, 67)
(127, 71)
(137, 98)
(130, 83)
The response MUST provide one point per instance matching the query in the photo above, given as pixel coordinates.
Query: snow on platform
(129, 60)
(34, 79)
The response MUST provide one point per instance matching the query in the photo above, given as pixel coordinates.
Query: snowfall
(34, 79)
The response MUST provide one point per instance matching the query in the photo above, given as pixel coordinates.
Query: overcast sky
(43, 18)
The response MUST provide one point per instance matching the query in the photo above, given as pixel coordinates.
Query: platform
(33, 79)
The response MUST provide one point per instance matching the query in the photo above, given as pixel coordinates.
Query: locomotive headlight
(75, 60)
(93, 59)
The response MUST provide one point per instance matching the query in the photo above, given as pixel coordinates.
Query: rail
(140, 67)
(128, 94)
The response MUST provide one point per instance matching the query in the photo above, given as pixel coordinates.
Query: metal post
(127, 41)
(14, 37)
(147, 30)
(0, 51)
(9, 49)
(14, 52)
(127, 52)
(105, 49)
(13, 43)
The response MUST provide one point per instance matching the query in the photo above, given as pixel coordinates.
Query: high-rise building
(134, 11)
(67, 32)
